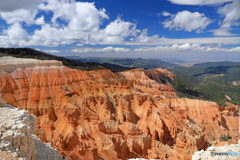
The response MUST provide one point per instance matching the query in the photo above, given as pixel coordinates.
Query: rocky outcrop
(151, 78)
(103, 115)
(230, 149)
(10, 64)
(17, 139)
(231, 104)
(16, 135)
(187, 145)
(161, 151)
(161, 76)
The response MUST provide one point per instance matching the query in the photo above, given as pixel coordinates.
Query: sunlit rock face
(101, 114)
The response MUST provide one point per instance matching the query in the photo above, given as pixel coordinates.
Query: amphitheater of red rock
(104, 115)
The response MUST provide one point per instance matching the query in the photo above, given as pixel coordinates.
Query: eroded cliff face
(100, 114)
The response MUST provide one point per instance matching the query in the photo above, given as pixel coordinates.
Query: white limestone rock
(206, 155)
(9, 64)
(17, 138)
(16, 129)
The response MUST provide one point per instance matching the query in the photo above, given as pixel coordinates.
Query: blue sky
(196, 30)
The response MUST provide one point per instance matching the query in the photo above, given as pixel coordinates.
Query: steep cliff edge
(100, 114)
(17, 138)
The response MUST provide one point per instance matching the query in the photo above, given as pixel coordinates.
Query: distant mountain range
(214, 64)
(127, 62)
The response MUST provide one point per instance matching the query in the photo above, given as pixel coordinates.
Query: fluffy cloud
(79, 44)
(187, 21)
(202, 41)
(144, 38)
(166, 14)
(236, 49)
(15, 35)
(187, 47)
(114, 33)
(217, 49)
(222, 32)
(175, 47)
(51, 51)
(22, 15)
(80, 22)
(11, 5)
(107, 49)
(20, 11)
(79, 16)
(199, 2)
(231, 13)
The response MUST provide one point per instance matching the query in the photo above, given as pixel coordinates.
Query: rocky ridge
(100, 114)
(9, 63)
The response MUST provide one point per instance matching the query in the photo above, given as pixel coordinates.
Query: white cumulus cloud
(80, 22)
(236, 49)
(14, 35)
(11, 5)
(187, 21)
(20, 11)
(51, 51)
(166, 14)
(175, 47)
(222, 32)
(231, 12)
(187, 47)
(79, 44)
(144, 38)
(107, 49)
(80, 16)
(114, 33)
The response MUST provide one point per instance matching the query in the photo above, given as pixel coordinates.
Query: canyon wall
(103, 115)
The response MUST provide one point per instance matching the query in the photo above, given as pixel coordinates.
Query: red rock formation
(100, 114)
(159, 75)
(231, 104)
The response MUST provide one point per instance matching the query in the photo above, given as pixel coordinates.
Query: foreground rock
(17, 139)
(231, 149)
